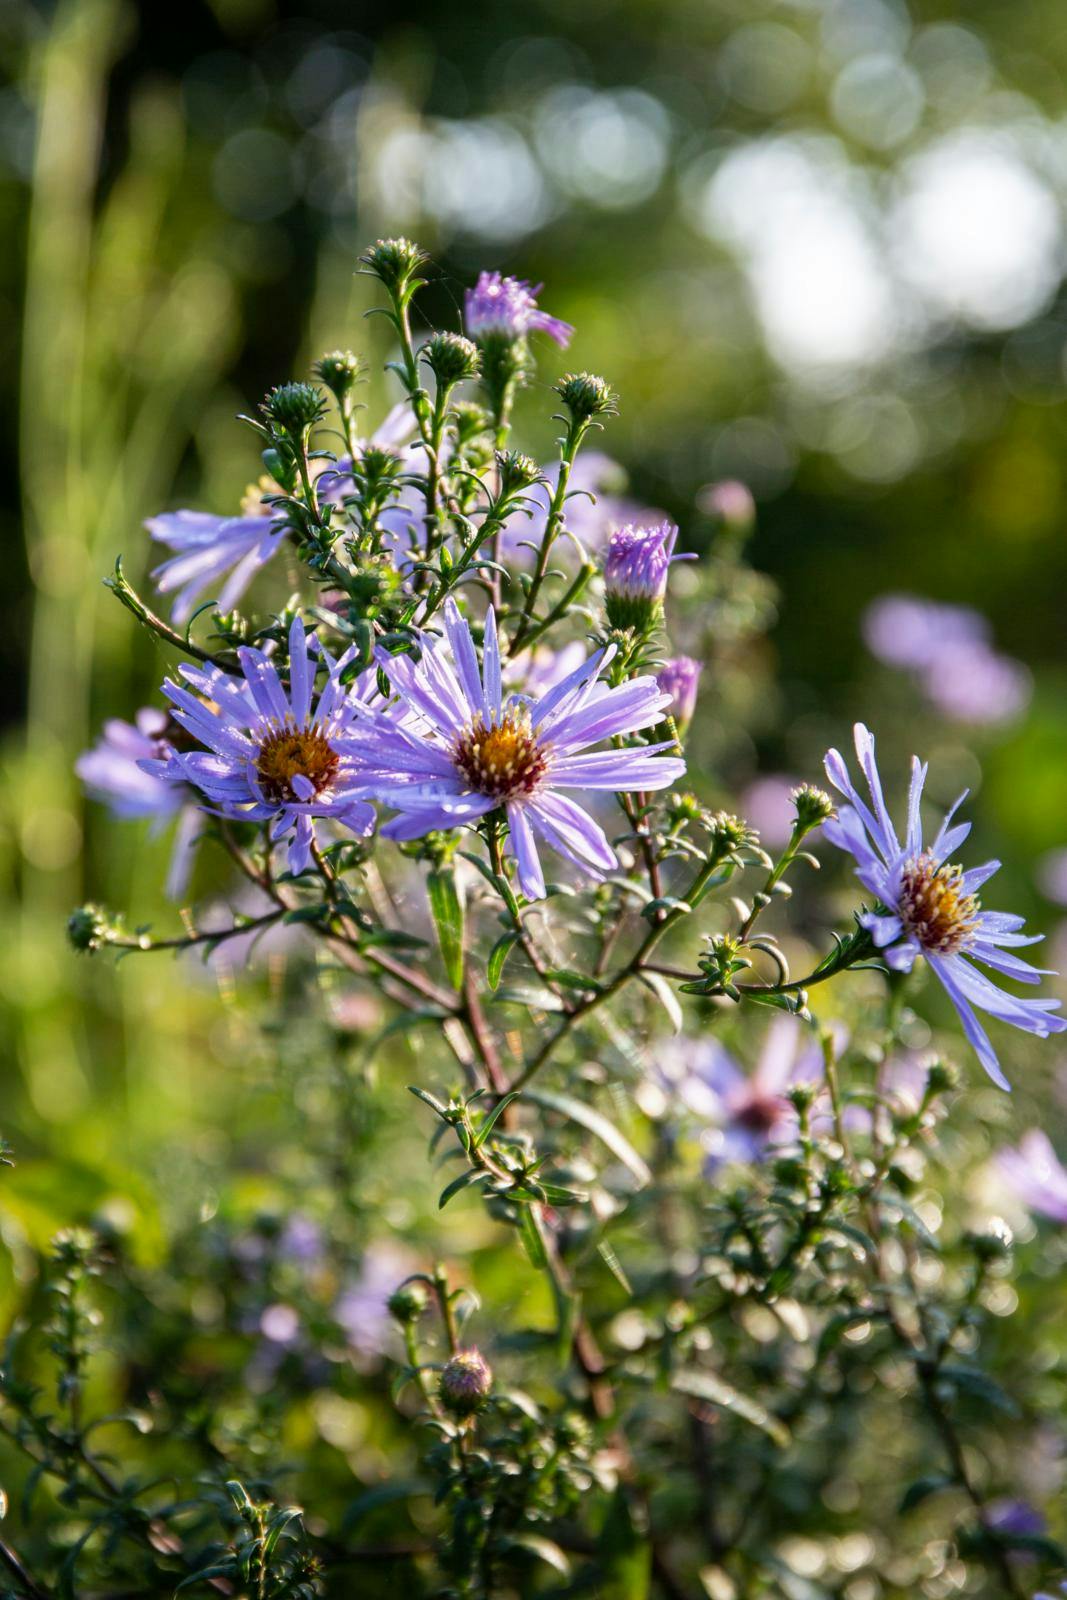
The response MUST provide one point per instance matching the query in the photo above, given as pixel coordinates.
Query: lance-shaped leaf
(446, 904)
(597, 1124)
(701, 1385)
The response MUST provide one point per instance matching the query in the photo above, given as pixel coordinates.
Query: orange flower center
(502, 759)
(934, 907)
(295, 752)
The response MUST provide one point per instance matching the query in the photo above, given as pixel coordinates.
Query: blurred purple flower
(948, 649)
(112, 774)
(747, 1114)
(508, 307)
(1035, 1174)
(363, 1307)
(730, 503)
(680, 678)
(768, 805)
(1052, 876)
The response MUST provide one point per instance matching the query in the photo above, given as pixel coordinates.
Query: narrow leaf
(446, 904)
(702, 1385)
(598, 1125)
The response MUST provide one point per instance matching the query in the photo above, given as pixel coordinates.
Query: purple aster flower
(747, 1115)
(112, 774)
(971, 683)
(931, 908)
(508, 307)
(272, 756)
(1035, 1173)
(903, 630)
(635, 573)
(680, 678)
(363, 1307)
(475, 751)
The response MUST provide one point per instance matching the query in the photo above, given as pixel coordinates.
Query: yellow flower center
(291, 752)
(501, 759)
(934, 907)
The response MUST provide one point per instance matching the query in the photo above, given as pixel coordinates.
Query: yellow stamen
(501, 759)
(934, 907)
(292, 752)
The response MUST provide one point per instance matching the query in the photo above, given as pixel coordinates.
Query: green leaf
(543, 1549)
(428, 1099)
(446, 904)
(702, 1385)
(530, 1234)
(486, 1127)
(666, 997)
(464, 1181)
(598, 1125)
(494, 967)
(978, 1385)
(614, 1265)
(922, 1489)
(624, 1554)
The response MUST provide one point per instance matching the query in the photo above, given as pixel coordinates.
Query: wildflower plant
(454, 762)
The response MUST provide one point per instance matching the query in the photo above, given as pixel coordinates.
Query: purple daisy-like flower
(680, 678)
(1037, 1176)
(112, 774)
(471, 751)
(508, 307)
(636, 566)
(931, 908)
(273, 756)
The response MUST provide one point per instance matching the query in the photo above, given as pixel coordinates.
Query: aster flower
(731, 505)
(272, 756)
(680, 678)
(1036, 1175)
(112, 774)
(475, 751)
(635, 573)
(931, 908)
(235, 548)
(949, 651)
(508, 307)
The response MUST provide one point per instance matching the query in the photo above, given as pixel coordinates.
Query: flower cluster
(443, 776)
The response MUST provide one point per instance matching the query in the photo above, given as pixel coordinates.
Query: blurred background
(818, 246)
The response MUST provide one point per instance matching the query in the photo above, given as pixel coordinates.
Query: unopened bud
(466, 1383)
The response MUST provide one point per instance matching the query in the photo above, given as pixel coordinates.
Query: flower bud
(679, 678)
(586, 395)
(88, 928)
(393, 262)
(635, 574)
(731, 506)
(340, 371)
(466, 1383)
(409, 1302)
(517, 472)
(294, 407)
(941, 1077)
(451, 358)
(812, 806)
